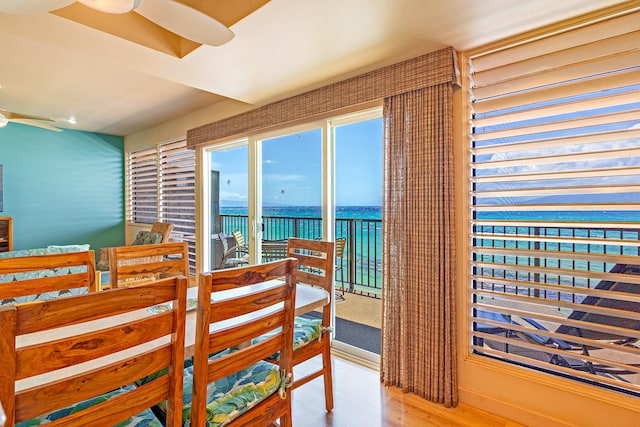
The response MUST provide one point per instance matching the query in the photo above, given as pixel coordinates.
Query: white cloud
(228, 195)
(272, 178)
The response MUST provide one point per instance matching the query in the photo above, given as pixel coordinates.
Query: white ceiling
(53, 67)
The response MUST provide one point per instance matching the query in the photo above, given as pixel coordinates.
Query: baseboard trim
(356, 355)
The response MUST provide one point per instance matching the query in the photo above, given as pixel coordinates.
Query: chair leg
(285, 421)
(328, 375)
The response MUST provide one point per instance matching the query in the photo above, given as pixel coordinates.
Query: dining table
(308, 298)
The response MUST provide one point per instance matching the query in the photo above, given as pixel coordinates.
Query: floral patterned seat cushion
(230, 397)
(14, 277)
(7, 278)
(143, 419)
(147, 238)
(305, 330)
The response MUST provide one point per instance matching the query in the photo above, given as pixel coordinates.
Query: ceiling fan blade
(36, 124)
(185, 21)
(19, 116)
(23, 7)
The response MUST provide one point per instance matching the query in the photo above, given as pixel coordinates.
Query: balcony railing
(362, 262)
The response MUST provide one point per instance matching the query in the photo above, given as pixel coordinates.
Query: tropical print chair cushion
(305, 330)
(147, 238)
(230, 397)
(13, 277)
(143, 419)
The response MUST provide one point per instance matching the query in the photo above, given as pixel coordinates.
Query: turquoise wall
(62, 187)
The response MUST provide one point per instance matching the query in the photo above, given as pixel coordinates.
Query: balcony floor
(360, 309)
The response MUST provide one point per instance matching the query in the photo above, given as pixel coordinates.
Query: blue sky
(291, 167)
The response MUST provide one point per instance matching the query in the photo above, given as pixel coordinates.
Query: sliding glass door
(358, 230)
(291, 190)
(322, 180)
(228, 200)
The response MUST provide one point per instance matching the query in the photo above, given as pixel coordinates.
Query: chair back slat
(233, 278)
(70, 351)
(66, 311)
(243, 332)
(239, 306)
(147, 262)
(55, 272)
(70, 390)
(244, 357)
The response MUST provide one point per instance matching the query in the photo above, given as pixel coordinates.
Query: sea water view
(360, 225)
(559, 231)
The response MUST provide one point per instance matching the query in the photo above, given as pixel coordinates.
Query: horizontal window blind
(142, 186)
(161, 187)
(555, 192)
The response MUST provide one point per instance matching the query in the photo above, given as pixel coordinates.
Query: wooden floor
(361, 401)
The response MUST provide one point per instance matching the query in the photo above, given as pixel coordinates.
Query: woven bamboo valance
(417, 73)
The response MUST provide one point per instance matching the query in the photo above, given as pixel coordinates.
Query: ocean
(362, 212)
(362, 226)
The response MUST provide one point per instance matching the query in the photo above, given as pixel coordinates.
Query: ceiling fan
(176, 17)
(25, 119)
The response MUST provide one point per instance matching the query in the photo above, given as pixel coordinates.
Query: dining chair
(75, 361)
(273, 250)
(312, 336)
(229, 380)
(147, 262)
(43, 277)
(159, 233)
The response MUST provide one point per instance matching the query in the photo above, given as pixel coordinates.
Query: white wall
(179, 126)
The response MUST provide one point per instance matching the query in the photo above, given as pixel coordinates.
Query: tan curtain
(418, 332)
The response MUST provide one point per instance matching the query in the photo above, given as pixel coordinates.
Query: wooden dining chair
(147, 262)
(312, 336)
(159, 233)
(44, 277)
(75, 360)
(231, 381)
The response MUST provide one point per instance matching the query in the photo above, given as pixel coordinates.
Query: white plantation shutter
(142, 180)
(161, 185)
(555, 193)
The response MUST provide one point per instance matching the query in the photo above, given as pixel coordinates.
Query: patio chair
(228, 363)
(85, 373)
(159, 233)
(603, 324)
(313, 336)
(341, 242)
(583, 324)
(236, 255)
(147, 262)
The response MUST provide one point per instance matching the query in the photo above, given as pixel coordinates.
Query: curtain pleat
(419, 331)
